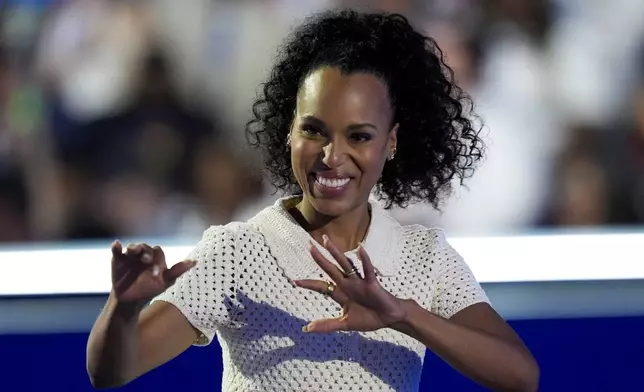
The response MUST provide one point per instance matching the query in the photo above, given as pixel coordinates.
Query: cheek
(295, 163)
(303, 155)
(371, 163)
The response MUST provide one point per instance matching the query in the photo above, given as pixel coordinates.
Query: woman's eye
(360, 137)
(309, 129)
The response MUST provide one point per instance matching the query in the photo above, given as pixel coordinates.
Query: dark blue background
(574, 354)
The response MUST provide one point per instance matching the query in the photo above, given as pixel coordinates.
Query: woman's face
(341, 137)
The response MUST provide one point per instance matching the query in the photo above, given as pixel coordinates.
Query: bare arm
(127, 342)
(478, 343)
(128, 339)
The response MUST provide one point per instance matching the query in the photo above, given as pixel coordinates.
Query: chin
(331, 207)
(336, 206)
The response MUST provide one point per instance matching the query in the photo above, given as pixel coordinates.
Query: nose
(334, 154)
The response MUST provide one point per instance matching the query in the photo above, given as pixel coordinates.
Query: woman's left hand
(366, 305)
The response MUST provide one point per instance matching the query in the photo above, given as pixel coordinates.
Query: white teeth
(332, 182)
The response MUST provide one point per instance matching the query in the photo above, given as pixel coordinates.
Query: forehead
(329, 94)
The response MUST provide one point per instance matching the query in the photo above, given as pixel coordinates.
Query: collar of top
(289, 242)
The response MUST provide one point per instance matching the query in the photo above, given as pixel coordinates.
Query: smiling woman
(341, 135)
(324, 290)
(407, 85)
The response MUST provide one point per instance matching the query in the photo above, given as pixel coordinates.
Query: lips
(332, 182)
(331, 185)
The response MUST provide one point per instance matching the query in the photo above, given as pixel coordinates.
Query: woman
(356, 104)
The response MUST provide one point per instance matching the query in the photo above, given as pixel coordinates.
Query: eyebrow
(352, 127)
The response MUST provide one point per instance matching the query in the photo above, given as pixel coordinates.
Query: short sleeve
(456, 288)
(202, 294)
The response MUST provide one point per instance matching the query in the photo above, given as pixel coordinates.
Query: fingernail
(325, 238)
(155, 270)
(294, 283)
(305, 328)
(146, 257)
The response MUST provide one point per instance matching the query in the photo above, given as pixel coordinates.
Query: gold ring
(352, 272)
(329, 289)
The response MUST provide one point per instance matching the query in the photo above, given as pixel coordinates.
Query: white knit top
(240, 290)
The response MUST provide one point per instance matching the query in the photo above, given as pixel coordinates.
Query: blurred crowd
(125, 118)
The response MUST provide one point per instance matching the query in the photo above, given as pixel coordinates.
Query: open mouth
(332, 182)
(331, 186)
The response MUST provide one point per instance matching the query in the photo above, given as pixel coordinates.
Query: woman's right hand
(139, 273)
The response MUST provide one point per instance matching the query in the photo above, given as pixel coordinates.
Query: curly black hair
(438, 140)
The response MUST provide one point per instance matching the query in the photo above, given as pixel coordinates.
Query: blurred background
(125, 118)
(122, 119)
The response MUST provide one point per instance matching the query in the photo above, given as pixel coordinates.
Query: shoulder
(270, 220)
(424, 237)
(429, 244)
(417, 235)
(429, 236)
(227, 235)
(420, 246)
(230, 231)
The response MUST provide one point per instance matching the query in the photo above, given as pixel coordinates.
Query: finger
(367, 266)
(326, 325)
(147, 253)
(156, 260)
(133, 250)
(342, 260)
(320, 286)
(170, 275)
(158, 255)
(331, 270)
(117, 248)
(142, 252)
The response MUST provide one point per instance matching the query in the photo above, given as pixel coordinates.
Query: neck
(345, 231)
